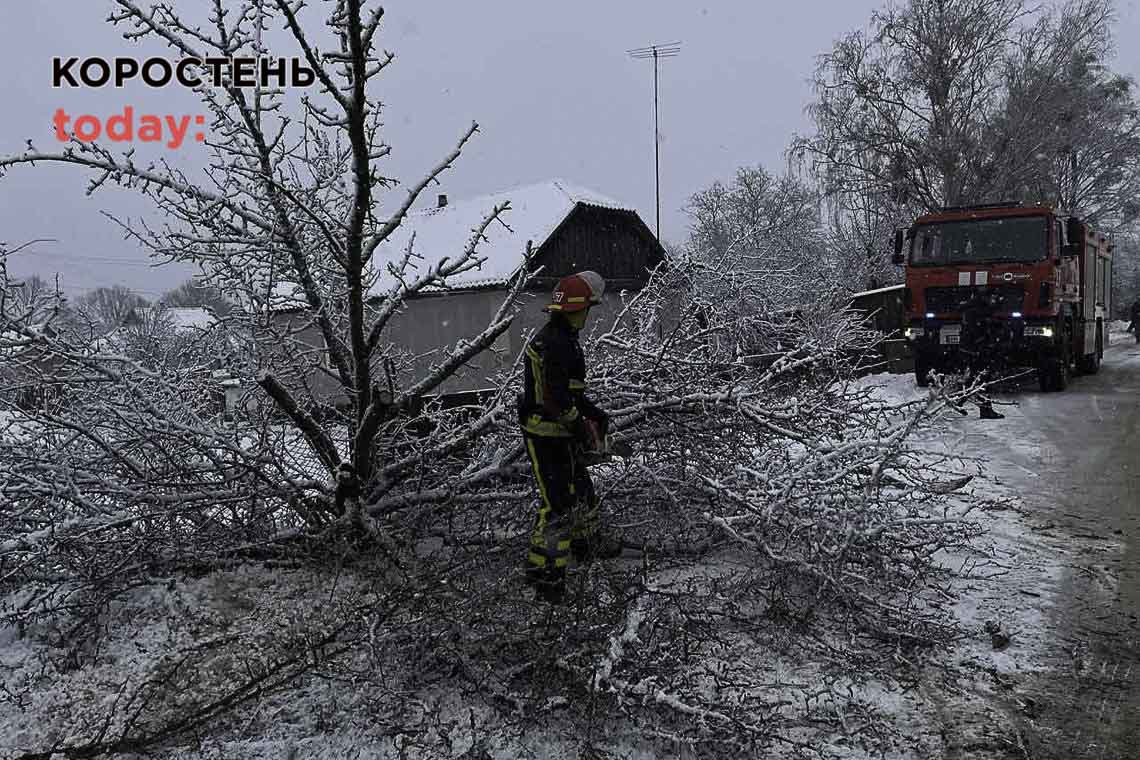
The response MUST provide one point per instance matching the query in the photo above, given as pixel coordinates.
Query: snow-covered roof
(535, 213)
(13, 342)
(182, 318)
(887, 289)
(286, 296)
(190, 318)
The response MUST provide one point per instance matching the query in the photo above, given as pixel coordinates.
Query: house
(28, 371)
(569, 229)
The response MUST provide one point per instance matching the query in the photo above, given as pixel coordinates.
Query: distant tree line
(102, 310)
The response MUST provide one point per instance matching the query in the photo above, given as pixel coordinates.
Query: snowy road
(1073, 458)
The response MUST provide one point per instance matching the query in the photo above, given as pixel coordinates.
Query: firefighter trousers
(568, 511)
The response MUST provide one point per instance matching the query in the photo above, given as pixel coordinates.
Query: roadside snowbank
(890, 388)
(1118, 332)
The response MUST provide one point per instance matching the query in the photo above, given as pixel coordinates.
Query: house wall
(431, 324)
(423, 332)
(304, 363)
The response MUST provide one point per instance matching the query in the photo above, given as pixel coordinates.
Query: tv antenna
(656, 52)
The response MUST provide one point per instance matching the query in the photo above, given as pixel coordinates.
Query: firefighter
(560, 426)
(1134, 325)
(978, 333)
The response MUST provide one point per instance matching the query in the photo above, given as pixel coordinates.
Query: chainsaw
(604, 448)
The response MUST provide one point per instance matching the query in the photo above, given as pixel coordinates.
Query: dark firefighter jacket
(553, 402)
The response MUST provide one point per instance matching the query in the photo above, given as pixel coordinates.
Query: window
(980, 240)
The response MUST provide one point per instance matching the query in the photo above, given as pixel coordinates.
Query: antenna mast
(656, 52)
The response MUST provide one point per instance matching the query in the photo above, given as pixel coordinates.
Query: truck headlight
(1041, 331)
(914, 332)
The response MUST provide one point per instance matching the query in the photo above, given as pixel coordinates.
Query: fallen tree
(776, 505)
(170, 574)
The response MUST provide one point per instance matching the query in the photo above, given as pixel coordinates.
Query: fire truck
(1003, 286)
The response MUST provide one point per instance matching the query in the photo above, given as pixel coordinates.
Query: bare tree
(109, 308)
(132, 469)
(903, 108)
(34, 299)
(777, 504)
(1069, 131)
(766, 224)
(860, 227)
(1125, 272)
(289, 200)
(969, 101)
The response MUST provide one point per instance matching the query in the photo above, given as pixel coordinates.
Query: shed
(885, 312)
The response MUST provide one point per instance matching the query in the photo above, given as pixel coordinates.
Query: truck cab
(1003, 286)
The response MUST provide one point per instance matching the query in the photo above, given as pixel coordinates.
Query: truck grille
(955, 298)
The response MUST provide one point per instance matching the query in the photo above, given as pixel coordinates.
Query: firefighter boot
(550, 589)
(587, 540)
(986, 411)
(548, 556)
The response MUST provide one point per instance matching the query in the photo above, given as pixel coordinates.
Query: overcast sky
(549, 83)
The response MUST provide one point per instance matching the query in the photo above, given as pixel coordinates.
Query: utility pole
(656, 52)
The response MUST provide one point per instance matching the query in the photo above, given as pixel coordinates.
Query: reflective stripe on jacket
(554, 382)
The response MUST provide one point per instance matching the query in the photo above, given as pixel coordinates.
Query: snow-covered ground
(954, 705)
(962, 707)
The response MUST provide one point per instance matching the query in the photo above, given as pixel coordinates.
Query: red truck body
(1003, 286)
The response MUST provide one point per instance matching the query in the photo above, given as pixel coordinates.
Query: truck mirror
(898, 259)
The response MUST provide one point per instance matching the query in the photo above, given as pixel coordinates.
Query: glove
(597, 437)
(582, 430)
(603, 424)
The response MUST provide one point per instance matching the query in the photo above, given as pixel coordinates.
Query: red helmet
(577, 292)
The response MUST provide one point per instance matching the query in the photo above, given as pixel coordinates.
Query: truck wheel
(1053, 375)
(1060, 374)
(1090, 364)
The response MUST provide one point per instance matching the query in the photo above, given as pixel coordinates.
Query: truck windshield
(977, 240)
